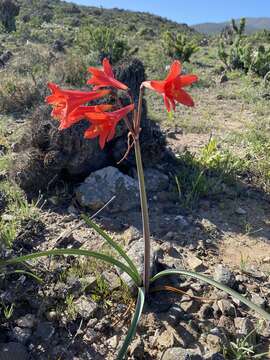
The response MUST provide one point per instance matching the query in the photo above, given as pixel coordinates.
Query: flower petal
(183, 98)
(175, 70)
(107, 68)
(185, 80)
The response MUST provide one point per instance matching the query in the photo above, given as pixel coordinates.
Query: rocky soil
(82, 310)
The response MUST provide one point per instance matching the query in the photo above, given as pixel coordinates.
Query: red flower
(65, 101)
(104, 78)
(171, 87)
(79, 114)
(103, 124)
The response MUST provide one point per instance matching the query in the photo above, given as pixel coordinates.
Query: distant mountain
(252, 25)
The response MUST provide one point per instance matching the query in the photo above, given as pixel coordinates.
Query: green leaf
(116, 246)
(107, 258)
(23, 272)
(222, 287)
(133, 325)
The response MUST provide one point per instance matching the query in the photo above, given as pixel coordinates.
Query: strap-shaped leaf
(133, 325)
(23, 272)
(114, 244)
(107, 258)
(218, 285)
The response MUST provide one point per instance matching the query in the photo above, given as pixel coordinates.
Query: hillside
(253, 25)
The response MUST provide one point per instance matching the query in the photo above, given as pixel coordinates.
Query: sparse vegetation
(211, 201)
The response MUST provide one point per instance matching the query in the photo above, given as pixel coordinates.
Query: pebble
(240, 211)
(258, 300)
(27, 321)
(224, 276)
(20, 335)
(178, 353)
(85, 307)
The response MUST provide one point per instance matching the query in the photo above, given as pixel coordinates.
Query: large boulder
(8, 12)
(47, 154)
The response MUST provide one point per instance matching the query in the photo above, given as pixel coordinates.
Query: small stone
(240, 211)
(113, 341)
(136, 348)
(226, 307)
(224, 276)
(175, 314)
(258, 300)
(227, 324)
(131, 234)
(21, 335)
(45, 331)
(214, 342)
(91, 336)
(266, 260)
(27, 321)
(223, 78)
(206, 312)
(51, 315)
(85, 307)
(165, 339)
(177, 353)
(245, 327)
(194, 262)
(112, 280)
(13, 351)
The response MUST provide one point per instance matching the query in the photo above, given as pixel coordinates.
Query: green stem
(143, 197)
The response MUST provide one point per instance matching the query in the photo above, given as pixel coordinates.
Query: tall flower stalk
(69, 107)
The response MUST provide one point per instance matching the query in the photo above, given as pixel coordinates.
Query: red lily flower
(79, 114)
(171, 87)
(103, 124)
(105, 77)
(65, 101)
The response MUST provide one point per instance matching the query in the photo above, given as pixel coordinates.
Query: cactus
(178, 46)
(102, 41)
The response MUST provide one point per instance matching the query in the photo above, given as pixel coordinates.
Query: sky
(190, 11)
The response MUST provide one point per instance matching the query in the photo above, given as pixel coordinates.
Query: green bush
(178, 46)
(101, 42)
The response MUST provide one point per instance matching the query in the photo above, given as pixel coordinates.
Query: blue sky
(191, 11)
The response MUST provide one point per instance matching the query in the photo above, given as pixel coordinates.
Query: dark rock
(58, 45)
(8, 12)
(206, 312)
(50, 154)
(136, 348)
(13, 351)
(3, 202)
(45, 331)
(223, 78)
(155, 180)
(5, 57)
(27, 321)
(99, 187)
(20, 335)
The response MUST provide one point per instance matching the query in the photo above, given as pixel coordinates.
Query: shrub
(178, 46)
(101, 42)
